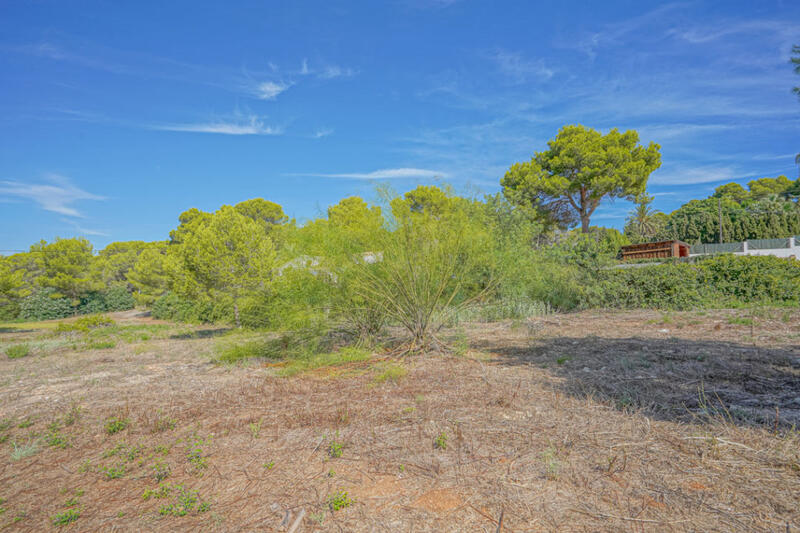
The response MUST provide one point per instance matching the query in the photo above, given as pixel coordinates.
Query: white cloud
(322, 133)
(85, 231)
(700, 174)
(520, 69)
(705, 34)
(57, 195)
(335, 71)
(268, 90)
(386, 173)
(251, 126)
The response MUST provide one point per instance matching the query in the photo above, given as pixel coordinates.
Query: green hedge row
(44, 305)
(724, 280)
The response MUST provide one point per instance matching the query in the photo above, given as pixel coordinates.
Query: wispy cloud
(614, 33)
(383, 174)
(705, 34)
(268, 90)
(84, 231)
(519, 68)
(251, 125)
(326, 72)
(699, 174)
(319, 134)
(335, 71)
(57, 194)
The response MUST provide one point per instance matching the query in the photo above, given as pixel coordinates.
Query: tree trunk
(584, 223)
(236, 315)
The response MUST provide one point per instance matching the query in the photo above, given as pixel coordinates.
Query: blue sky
(117, 116)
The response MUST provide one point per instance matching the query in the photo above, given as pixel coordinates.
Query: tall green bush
(44, 305)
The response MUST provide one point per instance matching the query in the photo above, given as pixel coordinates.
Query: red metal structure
(655, 250)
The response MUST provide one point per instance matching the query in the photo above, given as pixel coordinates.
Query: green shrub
(118, 299)
(18, 350)
(723, 280)
(44, 305)
(85, 324)
(170, 306)
(92, 302)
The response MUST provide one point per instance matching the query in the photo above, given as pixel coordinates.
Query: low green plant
(255, 428)
(115, 471)
(161, 471)
(195, 454)
(26, 423)
(85, 324)
(73, 415)
(17, 351)
(115, 424)
(186, 502)
(392, 373)
(66, 517)
(270, 465)
(551, 463)
(339, 500)
(24, 450)
(55, 438)
(440, 442)
(335, 448)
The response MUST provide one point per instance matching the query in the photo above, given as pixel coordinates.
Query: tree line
(415, 259)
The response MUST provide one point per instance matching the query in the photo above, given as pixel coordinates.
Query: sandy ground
(595, 421)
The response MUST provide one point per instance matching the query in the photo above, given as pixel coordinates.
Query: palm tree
(641, 219)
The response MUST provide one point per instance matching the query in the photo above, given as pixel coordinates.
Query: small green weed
(440, 442)
(17, 351)
(562, 360)
(24, 450)
(551, 463)
(339, 500)
(114, 472)
(66, 517)
(194, 454)
(391, 372)
(335, 448)
(28, 422)
(270, 465)
(741, 321)
(116, 424)
(161, 471)
(255, 428)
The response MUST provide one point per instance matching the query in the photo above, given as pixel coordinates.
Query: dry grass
(551, 446)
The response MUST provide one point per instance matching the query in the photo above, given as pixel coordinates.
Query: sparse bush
(391, 372)
(17, 351)
(85, 324)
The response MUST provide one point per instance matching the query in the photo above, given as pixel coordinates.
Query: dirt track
(582, 422)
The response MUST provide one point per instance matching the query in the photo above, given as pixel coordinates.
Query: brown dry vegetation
(583, 422)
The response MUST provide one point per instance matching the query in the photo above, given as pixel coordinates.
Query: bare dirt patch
(529, 432)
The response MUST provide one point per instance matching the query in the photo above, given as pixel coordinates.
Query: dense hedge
(42, 305)
(725, 280)
(170, 306)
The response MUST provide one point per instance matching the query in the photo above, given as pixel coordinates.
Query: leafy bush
(118, 299)
(92, 302)
(43, 305)
(170, 306)
(710, 282)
